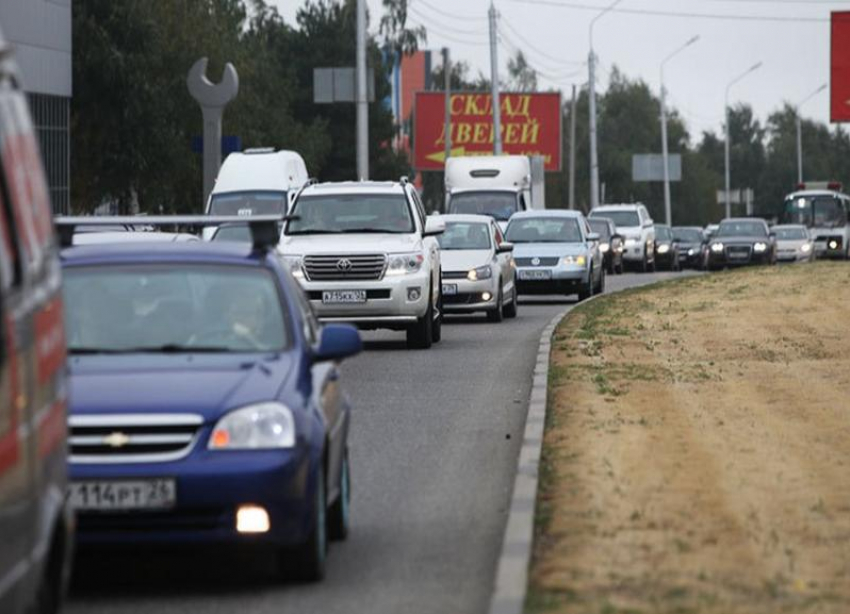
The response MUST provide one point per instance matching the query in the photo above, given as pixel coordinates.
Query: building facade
(40, 32)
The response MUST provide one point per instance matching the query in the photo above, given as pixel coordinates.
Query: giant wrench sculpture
(212, 97)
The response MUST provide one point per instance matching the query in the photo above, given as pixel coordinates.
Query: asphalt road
(433, 449)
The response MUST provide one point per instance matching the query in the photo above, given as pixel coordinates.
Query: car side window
(11, 271)
(420, 209)
(311, 324)
(498, 238)
(522, 205)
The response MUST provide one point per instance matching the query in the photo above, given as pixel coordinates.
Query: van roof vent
(484, 172)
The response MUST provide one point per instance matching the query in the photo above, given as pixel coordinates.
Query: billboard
(840, 71)
(531, 125)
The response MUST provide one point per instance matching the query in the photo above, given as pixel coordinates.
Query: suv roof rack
(259, 150)
(265, 229)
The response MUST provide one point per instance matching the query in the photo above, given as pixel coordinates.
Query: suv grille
(362, 267)
(116, 438)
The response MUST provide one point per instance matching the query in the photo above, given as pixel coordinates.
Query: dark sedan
(610, 243)
(666, 248)
(693, 248)
(741, 241)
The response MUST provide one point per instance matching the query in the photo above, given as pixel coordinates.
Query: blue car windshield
(172, 309)
(544, 230)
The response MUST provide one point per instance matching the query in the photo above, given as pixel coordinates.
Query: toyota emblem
(343, 264)
(535, 261)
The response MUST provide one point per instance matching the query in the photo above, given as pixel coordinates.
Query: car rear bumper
(210, 487)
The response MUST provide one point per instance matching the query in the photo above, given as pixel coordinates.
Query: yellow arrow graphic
(440, 156)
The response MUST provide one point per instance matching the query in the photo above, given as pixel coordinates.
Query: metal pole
(594, 154)
(362, 96)
(448, 95)
(799, 148)
(573, 107)
(726, 111)
(668, 207)
(494, 79)
(800, 130)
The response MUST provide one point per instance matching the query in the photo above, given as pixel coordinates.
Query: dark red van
(35, 522)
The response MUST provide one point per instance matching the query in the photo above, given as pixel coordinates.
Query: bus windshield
(815, 211)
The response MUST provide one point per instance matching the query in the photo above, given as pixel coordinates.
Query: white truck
(498, 186)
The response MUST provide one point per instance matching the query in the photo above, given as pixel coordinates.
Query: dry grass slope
(697, 452)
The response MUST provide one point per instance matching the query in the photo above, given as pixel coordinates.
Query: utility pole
(728, 173)
(448, 94)
(800, 130)
(494, 79)
(362, 96)
(594, 156)
(573, 108)
(668, 207)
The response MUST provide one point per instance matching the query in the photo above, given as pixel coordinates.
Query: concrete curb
(512, 572)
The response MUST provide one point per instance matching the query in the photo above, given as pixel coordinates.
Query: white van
(498, 186)
(257, 182)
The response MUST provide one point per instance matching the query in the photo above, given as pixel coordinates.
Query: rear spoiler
(265, 229)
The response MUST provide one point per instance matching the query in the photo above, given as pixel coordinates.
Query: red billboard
(840, 80)
(531, 125)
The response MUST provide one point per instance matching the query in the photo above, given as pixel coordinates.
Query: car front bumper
(635, 250)
(388, 301)
(830, 246)
(724, 258)
(210, 487)
(563, 279)
(465, 296)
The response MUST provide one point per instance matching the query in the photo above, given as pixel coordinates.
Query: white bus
(825, 210)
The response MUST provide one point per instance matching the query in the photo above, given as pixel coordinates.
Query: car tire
(51, 588)
(586, 290)
(306, 563)
(420, 336)
(622, 268)
(600, 289)
(437, 328)
(339, 515)
(496, 315)
(644, 265)
(510, 310)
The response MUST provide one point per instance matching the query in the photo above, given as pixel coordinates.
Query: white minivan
(256, 182)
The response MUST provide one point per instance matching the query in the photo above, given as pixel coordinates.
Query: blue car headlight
(255, 427)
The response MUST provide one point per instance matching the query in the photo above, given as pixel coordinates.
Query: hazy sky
(791, 38)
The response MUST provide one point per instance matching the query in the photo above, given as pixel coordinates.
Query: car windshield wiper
(92, 350)
(313, 231)
(373, 231)
(168, 348)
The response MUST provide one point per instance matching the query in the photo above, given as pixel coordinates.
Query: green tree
(521, 76)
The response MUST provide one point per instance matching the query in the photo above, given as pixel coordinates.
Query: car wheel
(437, 330)
(644, 265)
(339, 516)
(586, 290)
(495, 314)
(511, 308)
(307, 562)
(601, 288)
(421, 335)
(51, 587)
(622, 268)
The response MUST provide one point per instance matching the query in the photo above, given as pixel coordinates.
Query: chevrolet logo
(116, 440)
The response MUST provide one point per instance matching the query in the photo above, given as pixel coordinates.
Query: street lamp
(665, 158)
(594, 157)
(800, 130)
(728, 194)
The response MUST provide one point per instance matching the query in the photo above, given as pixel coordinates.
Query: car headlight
(256, 427)
(806, 248)
(604, 247)
(760, 247)
(691, 252)
(578, 260)
(833, 244)
(482, 272)
(405, 264)
(663, 249)
(717, 247)
(293, 264)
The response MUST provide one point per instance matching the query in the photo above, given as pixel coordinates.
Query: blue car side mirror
(338, 341)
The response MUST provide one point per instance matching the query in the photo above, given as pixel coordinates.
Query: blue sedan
(206, 405)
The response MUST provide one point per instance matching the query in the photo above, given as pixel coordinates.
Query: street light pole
(494, 78)
(668, 208)
(728, 195)
(800, 130)
(362, 96)
(594, 156)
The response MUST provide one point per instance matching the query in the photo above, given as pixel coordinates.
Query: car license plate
(341, 297)
(449, 289)
(123, 495)
(535, 275)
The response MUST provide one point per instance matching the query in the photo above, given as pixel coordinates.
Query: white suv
(366, 253)
(638, 231)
